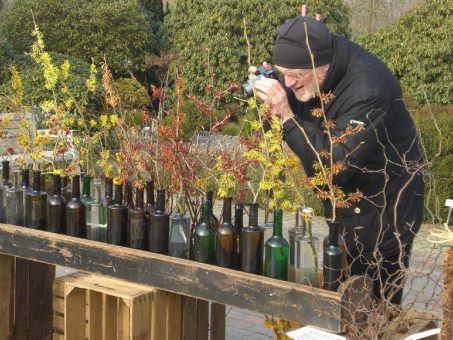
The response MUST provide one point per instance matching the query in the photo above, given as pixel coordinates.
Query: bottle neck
(160, 201)
(108, 187)
(205, 212)
(56, 184)
(128, 200)
(150, 193)
(36, 180)
(118, 194)
(333, 234)
(76, 186)
(180, 204)
(278, 222)
(253, 215)
(227, 210)
(16, 178)
(5, 171)
(25, 178)
(97, 189)
(86, 186)
(239, 216)
(139, 198)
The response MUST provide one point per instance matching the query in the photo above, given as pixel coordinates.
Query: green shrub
(195, 26)
(132, 94)
(439, 175)
(231, 129)
(418, 48)
(120, 31)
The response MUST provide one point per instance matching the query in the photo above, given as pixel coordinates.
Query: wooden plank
(140, 316)
(109, 317)
(6, 297)
(286, 300)
(189, 318)
(124, 313)
(159, 315)
(202, 320)
(58, 337)
(95, 315)
(447, 319)
(58, 304)
(75, 314)
(21, 299)
(174, 316)
(58, 324)
(218, 313)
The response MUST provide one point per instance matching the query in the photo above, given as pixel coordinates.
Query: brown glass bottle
(332, 260)
(56, 207)
(159, 226)
(36, 204)
(75, 212)
(213, 220)
(226, 238)
(137, 223)
(117, 219)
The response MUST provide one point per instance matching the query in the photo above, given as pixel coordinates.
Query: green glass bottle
(117, 215)
(86, 192)
(150, 205)
(204, 238)
(277, 251)
(36, 202)
(332, 259)
(226, 238)
(137, 223)
(159, 226)
(238, 225)
(56, 207)
(75, 212)
(213, 220)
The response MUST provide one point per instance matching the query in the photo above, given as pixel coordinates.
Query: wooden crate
(97, 307)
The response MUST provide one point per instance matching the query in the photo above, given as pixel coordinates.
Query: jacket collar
(339, 64)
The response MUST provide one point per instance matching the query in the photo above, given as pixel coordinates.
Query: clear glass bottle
(117, 219)
(150, 205)
(75, 212)
(3, 189)
(36, 201)
(179, 230)
(96, 215)
(238, 225)
(86, 189)
(159, 226)
(136, 234)
(213, 220)
(25, 186)
(277, 251)
(226, 238)
(332, 260)
(56, 207)
(305, 253)
(293, 232)
(251, 243)
(204, 238)
(15, 202)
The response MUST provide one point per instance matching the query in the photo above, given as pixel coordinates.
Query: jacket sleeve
(355, 150)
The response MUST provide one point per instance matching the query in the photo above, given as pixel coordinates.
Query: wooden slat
(286, 300)
(21, 299)
(6, 297)
(158, 315)
(218, 313)
(58, 304)
(189, 318)
(140, 316)
(75, 314)
(124, 312)
(202, 320)
(95, 315)
(174, 316)
(58, 323)
(109, 317)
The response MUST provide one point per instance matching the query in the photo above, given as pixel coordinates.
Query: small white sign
(311, 333)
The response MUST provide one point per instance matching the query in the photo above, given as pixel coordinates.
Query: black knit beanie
(291, 50)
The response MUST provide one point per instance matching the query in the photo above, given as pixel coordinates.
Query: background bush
(122, 31)
(192, 26)
(418, 48)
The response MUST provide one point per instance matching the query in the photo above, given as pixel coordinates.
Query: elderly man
(383, 161)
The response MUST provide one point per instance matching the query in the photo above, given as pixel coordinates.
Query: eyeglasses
(298, 75)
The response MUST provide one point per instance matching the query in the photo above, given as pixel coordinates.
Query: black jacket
(383, 160)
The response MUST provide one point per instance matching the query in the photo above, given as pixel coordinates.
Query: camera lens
(247, 89)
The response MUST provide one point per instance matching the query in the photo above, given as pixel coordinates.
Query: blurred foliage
(215, 41)
(418, 48)
(132, 94)
(119, 31)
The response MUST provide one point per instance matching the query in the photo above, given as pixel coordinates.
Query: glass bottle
(66, 190)
(305, 253)
(179, 230)
(108, 191)
(226, 238)
(96, 215)
(251, 243)
(342, 245)
(332, 260)
(117, 215)
(213, 220)
(25, 186)
(86, 190)
(15, 202)
(150, 203)
(277, 251)
(204, 238)
(75, 211)
(128, 199)
(3, 189)
(238, 225)
(159, 226)
(293, 232)
(56, 207)
(136, 235)
(36, 201)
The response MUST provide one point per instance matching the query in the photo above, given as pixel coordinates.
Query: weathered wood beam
(286, 300)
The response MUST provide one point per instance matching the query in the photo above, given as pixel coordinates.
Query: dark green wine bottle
(238, 225)
(56, 207)
(277, 250)
(213, 220)
(36, 204)
(251, 242)
(332, 260)
(226, 238)
(86, 190)
(117, 219)
(75, 211)
(204, 238)
(150, 205)
(159, 226)
(137, 223)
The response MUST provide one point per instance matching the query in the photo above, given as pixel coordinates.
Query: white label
(311, 333)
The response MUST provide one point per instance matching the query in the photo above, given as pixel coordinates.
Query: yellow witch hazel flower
(91, 81)
(104, 120)
(65, 69)
(225, 180)
(114, 119)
